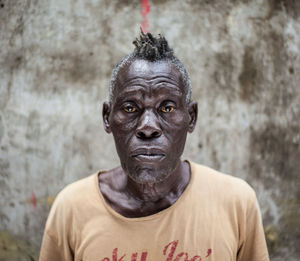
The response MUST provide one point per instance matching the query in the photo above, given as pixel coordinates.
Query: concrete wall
(55, 61)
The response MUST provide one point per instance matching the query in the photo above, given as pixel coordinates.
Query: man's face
(149, 118)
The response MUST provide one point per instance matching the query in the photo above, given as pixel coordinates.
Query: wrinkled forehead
(142, 70)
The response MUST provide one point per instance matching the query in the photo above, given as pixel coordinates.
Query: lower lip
(152, 157)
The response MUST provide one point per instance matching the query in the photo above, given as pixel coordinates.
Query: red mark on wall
(208, 252)
(33, 199)
(145, 13)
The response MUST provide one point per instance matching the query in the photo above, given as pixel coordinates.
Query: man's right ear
(105, 116)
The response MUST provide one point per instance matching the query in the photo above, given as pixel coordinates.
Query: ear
(193, 113)
(105, 116)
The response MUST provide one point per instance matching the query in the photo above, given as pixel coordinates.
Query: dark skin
(149, 118)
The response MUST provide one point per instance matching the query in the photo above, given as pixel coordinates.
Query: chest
(181, 236)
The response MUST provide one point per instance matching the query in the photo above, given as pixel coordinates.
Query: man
(154, 206)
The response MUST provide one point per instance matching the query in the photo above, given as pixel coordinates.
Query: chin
(147, 178)
(148, 175)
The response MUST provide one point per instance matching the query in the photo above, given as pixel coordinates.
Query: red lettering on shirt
(173, 246)
(172, 250)
(143, 256)
(134, 256)
(115, 255)
(169, 251)
(178, 257)
(208, 252)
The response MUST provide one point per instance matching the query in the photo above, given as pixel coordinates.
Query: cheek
(122, 123)
(175, 130)
(122, 128)
(176, 123)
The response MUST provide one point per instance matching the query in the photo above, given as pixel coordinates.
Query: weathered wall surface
(55, 61)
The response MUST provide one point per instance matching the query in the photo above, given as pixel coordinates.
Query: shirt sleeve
(253, 245)
(56, 244)
(50, 250)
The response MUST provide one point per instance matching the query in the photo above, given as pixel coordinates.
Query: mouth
(148, 154)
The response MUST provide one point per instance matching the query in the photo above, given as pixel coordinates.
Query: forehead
(146, 72)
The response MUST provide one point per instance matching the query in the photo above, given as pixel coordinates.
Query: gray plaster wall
(55, 62)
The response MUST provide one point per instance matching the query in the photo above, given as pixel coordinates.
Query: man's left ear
(193, 113)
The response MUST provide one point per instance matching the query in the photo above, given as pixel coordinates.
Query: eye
(130, 108)
(167, 108)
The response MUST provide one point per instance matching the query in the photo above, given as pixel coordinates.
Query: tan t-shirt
(217, 218)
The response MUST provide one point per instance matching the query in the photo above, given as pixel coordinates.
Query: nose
(148, 126)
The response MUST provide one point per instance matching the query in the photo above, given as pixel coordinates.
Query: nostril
(155, 134)
(144, 134)
(140, 134)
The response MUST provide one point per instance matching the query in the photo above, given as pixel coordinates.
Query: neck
(131, 199)
(168, 190)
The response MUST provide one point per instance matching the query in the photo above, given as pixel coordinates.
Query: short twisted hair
(152, 49)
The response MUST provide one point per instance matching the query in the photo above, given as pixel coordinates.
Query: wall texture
(55, 62)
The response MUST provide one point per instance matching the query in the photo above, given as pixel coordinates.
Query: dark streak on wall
(250, 78)
(274, 161)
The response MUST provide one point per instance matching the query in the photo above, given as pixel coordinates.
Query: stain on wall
(56, 58)
(274, 162)
(250, 77)
(14, 249)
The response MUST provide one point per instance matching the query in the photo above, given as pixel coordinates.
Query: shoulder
(73, 197)
(222, 185)
(62, 223)
(77, 190)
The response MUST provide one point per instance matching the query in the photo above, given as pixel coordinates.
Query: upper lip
(148, 151)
